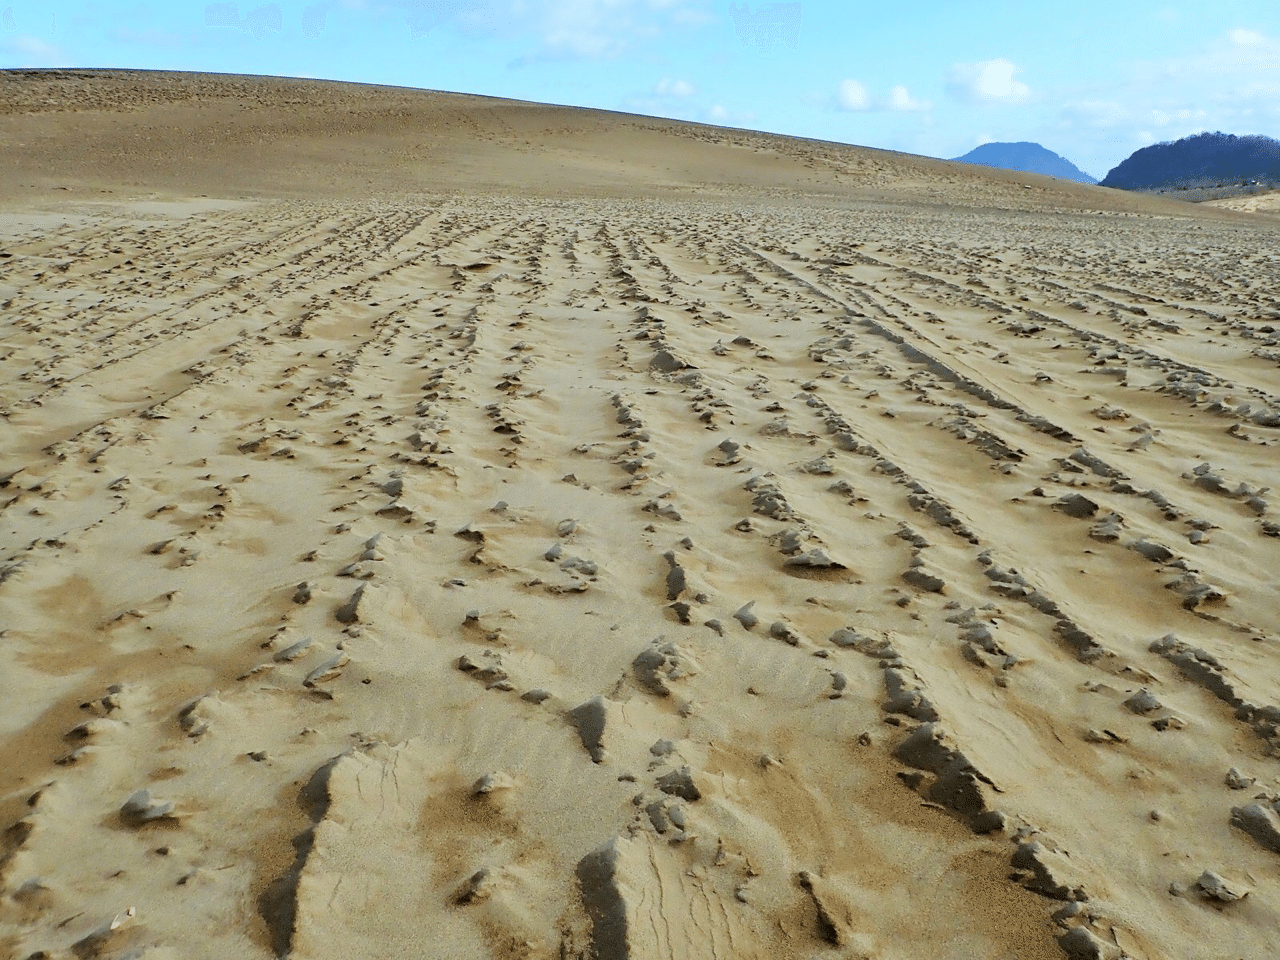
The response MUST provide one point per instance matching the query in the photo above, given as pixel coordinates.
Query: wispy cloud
(1239, 70)
(854, 96)
(988, 81)
(1231, 83)
(724, 117)
(674, 88)
(900, 99)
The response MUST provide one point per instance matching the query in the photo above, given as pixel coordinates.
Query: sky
(1092, 80)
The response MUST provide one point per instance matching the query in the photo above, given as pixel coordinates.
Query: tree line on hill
(1206, 159)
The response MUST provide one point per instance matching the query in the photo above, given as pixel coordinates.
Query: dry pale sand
(1257, 203)
(444, 527)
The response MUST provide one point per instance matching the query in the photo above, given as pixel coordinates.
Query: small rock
(95, 943)
(1213, 887)
(589, 719)
(678, 816)
(1079, 944)
(1077, 506)
(816, 559)
(924, 581)
(328, 671)
(349, 612)
(291, 653)
(1155, 552)
(1259, 822)
(491, 783)
(1142, 702)
(679, 783)
(1238, 781)
(785, 633)
(477, 889)
(1102, 736)
(141, 808)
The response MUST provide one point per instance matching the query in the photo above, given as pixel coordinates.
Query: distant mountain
(1205, 159)
(1027, 157)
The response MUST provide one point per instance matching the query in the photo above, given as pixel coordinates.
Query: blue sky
(1091, 80)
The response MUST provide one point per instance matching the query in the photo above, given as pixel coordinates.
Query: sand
(1257, 203)
(441, 527)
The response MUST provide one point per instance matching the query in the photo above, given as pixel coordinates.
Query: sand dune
(1258, 203)
(703, 562)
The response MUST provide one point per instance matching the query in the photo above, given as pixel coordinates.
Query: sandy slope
(1259, 203)
(711, 564)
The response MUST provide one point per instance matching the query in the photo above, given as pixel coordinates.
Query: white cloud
(674, 88)
(722, 116)
(678, 99)
(1247, 38)
(900, 99)
(988, 81)
(852, 95)
(687, 109)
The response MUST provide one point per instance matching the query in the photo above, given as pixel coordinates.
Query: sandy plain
(433, 526)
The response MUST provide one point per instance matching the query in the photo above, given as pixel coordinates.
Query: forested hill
(1205, 159)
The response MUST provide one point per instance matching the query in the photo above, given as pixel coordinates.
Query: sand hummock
(433, 526)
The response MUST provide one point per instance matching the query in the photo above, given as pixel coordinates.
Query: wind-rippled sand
(477, 575)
